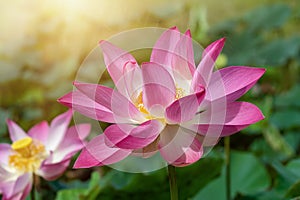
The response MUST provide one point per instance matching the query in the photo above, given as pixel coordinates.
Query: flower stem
(32, 192)
(172, 181)
(227, 163)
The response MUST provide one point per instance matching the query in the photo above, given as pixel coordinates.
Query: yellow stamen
(140, 105)
(22, 143)
(179, 93)
(28, 155)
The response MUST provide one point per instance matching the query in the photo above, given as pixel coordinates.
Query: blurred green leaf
(251, 49)
(248, 176)
(155, 185)
(285, 173)
(277, 141)
(94, 187)
(82, 193)
(4, 114)
(121, 179)
(286, 118)
(241, 48)
(262, 149)
(294, 190)
(294, 167)
(245, 166)
(74, 194)
(192, 178)
(267, 195)
(247, 42)
(215, 190)
(289, 98)
(293, 139)
(149, 186)
(32, 113)
(277, 52)
(267, 17)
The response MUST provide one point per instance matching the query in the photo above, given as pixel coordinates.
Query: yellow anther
(179, 93)
(22, 143)
(140, 105)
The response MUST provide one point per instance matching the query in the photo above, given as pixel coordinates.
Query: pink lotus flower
(45, 151)
(166, 105)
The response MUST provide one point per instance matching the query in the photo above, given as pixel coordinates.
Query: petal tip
(69, 113)
(61, 100)
(78, 165)
(66, 100)
(9, 121)
(188, 33)
(221, 41)
(262, 116)
(263, 70)
(173, 28)
(78, 83)
(101, 42)
(86, 160)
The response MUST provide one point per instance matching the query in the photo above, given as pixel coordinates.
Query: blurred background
(43, 43)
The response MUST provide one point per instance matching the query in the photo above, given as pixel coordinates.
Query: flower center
(28, 155)
(140, 104)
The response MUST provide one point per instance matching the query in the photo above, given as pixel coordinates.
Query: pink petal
(183, 62)
(58, 129)
(204, 70)
(39, 132)
(132, 137)
(5, 151)
(81, 130)
(208, 141)
(131, 83)
(98, 93)
(124, 111)
(97, 153)
(115, 59)
(86, 106)
(71, 144)
(26, 191)
(179, 146)
(185, 108)
(15, 132)
(159, 88)
(236, 81)
(53, 171)
(164, 48)
(121, 108)
(15, 189)
(238, 115)
(4, 173)
(147, 151)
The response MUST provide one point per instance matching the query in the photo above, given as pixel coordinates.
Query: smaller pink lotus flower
(45, 151)
(167, 105)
